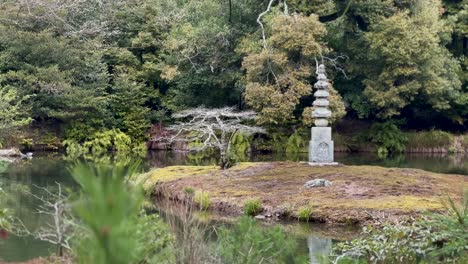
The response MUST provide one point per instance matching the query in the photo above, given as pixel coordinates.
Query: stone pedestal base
(321, 146)
(331, 164)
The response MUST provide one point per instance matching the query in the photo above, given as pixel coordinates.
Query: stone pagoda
(321, 146)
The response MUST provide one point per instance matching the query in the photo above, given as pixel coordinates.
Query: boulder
(317, 183)
(13, 152)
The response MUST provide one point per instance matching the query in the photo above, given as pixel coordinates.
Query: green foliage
(240, 145)
(252, 207)
(388, 137)
(102, 142)
(439, 238)
(248, 243)
(14, 111)
(229, 160)
(114, 231)
(86, 67)
(6, 218)
(294, 143)
(190, 191)
(304, 213)
(277, 71)
(278, 141)
(202, 199)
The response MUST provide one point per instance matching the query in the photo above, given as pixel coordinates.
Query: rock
(14, 153)
(260, 217)
(317, 183)
(10, 152)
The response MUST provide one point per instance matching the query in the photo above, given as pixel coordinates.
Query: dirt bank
(359, 194)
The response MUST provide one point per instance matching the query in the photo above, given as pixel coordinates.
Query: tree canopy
(89, 66)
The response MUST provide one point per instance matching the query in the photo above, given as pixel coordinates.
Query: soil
(358, 195)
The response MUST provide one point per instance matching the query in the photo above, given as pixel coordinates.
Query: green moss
(406, 203)
(159, 175)
(252, 207)
(242, 166)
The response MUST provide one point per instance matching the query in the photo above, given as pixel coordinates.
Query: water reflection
(47, 169)
(318, 247)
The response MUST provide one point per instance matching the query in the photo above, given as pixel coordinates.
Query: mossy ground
(358, 194)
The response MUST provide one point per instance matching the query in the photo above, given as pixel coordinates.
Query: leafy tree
(277, 72)
(413, 64)
(13, 110)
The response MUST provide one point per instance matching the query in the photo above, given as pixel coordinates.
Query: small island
(358, 194)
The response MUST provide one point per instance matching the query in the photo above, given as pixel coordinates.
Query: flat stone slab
(320, 164)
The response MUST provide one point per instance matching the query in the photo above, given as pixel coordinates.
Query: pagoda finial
(321, 112)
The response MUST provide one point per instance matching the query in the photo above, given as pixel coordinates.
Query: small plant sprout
(202, 199)
(189, 191)
(252, 207)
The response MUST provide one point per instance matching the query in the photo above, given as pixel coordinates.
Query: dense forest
(78, 68)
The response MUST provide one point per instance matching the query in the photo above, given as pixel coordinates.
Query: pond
(47, 169)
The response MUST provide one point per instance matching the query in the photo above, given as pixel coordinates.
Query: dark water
(46, 170)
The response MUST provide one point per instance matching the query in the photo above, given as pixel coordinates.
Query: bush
(202, 199)
(388, 137)
(104, 141)
(294, 143)
(252, 207)
(439, 238)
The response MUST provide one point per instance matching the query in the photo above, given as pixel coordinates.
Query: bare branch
(210, 128)
(335, 63)
(259, 21)
(54, 205)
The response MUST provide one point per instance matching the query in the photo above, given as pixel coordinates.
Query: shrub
(439, 238)
(304, 213)
(294, 143)
(202, 199)
(252, 207)
(388, 137)
(104, 141)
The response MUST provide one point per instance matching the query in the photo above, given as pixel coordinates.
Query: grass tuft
(304, 213)
(252, 207)
(202, 199)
